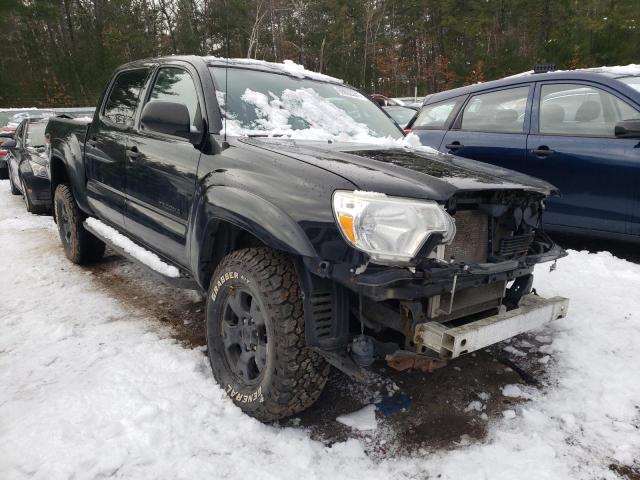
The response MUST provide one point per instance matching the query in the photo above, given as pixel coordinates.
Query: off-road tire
(80, 245)
(293, 376)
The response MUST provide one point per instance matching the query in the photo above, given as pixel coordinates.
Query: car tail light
(407, 131)
(3, 152)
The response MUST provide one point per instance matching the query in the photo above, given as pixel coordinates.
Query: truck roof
(287, 67)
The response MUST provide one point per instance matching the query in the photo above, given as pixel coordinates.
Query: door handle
(454, 146)
(133, 153)
(92, 141)
(542, 151)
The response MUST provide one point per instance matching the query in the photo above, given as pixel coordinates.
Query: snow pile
(143, 255)
(91, 389)
(363, 419)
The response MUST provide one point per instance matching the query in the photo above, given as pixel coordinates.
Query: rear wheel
(255, 336)
(80, 246)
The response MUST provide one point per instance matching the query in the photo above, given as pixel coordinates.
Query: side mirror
(628, 129)
(8, 145)
(169, 118)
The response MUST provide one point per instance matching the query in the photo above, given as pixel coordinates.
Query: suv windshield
(633, 82)
(263, 103)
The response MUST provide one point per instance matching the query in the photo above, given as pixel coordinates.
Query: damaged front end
(451, 299)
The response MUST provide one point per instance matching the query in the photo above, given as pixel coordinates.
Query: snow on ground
(90, 390)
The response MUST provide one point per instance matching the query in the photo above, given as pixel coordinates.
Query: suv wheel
(80, 246)
(255, 335)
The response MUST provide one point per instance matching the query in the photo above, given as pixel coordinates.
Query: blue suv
(579, 130)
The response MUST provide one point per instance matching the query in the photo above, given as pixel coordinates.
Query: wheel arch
(228, 219)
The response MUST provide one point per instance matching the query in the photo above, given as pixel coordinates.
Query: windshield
(271, 104)
(633, 82)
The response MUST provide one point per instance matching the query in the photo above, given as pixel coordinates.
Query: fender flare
(71, 159)
(247, 211)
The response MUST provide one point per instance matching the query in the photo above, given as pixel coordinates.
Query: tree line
(61, 52)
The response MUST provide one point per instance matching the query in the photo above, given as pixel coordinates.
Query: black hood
(401, 171)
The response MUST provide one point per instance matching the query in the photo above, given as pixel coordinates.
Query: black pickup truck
(321, 234)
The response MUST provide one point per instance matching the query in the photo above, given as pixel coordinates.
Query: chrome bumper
(451, 342)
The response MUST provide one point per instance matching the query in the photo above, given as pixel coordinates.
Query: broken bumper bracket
(451, 342)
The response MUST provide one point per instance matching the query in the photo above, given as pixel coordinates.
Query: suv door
(161, 169)
(573, 146)
(492, 127)
(106, 143)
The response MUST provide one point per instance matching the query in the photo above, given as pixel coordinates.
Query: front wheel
(255, 335)
(80, 245)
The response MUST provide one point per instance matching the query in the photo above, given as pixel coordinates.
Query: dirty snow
(363, 419)
(91, 389)
(143, 255)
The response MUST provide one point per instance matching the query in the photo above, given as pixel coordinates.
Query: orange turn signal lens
(346, 223)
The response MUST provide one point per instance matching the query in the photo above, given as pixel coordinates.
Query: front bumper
(39, 188)
(395, 283)
(451, 342)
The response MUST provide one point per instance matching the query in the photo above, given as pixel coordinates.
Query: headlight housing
(38, 170)
(390, 229)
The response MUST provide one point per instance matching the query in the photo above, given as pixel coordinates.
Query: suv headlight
(38, 170)
(390, 229)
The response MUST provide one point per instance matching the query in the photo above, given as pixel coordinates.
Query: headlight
(38, 170)
(390, 229)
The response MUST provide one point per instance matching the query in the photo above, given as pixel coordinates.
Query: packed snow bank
(143, 255)
(90, 389)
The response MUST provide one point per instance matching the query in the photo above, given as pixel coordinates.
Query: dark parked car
(402, 115)
(579, 130)
(28, 164)
(293, 201)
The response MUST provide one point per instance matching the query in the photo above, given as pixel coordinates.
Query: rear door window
(581, 110)
(120, 107)
(502, 111)
(437, 116)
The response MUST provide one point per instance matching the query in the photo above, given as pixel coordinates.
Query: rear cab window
(438, 116)
(501, 111)
(120, 107)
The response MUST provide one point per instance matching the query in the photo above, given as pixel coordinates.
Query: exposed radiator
(471, 242)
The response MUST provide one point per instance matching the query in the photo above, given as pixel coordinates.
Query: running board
(126, 247)
(451, 342)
